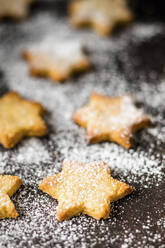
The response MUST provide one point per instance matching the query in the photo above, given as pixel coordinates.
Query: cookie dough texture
(8, 186)
(19, 118)
(84, 188)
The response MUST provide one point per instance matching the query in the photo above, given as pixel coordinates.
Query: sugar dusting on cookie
(136, 224)
(8, 186)
(56, 59)
(84, 188)
(111, 119)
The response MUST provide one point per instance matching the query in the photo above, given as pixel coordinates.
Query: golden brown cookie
(8, 186)
(111, 119)
(19, 118)
(18, 9)
(102, 15)
(57, 60)
(84, 188)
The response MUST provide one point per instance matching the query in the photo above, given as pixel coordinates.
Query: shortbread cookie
(18, 9)
(58, 60)
(84, 188)
(102, 15)
(8, 186)
(111, 119)
(19, 118)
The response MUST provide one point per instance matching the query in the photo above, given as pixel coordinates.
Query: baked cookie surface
(8, 186)
(137, 219)
(111, 118)
(84, 188)
(57, 60)
(19, 118)
(102, 16)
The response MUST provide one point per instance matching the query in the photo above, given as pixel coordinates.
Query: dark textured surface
(132, 60)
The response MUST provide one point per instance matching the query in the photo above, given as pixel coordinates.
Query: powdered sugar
(84, 188)
(4, 200)
(31, 151)
(137, 220)
(136, 166)
(109, 116)
(60, 49)
(60, 57)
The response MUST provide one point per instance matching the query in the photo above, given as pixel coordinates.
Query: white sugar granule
(4, 158)
(131, 224)
(63, 55)
(146, 31)
(133, 165)
(31, 151)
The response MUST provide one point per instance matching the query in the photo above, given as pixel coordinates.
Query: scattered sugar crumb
(31, 151)
(136, 221)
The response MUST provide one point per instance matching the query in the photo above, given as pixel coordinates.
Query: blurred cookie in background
(102, 16)
(56, 59)
(17, 9)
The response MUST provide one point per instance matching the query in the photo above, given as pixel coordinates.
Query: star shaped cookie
(111, 119)
(18, 9)
(19, 118)
(84, 188)
(8, 186)
(57, 60)
(102, 15)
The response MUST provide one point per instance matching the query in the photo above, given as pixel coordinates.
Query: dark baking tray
(131, 60)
